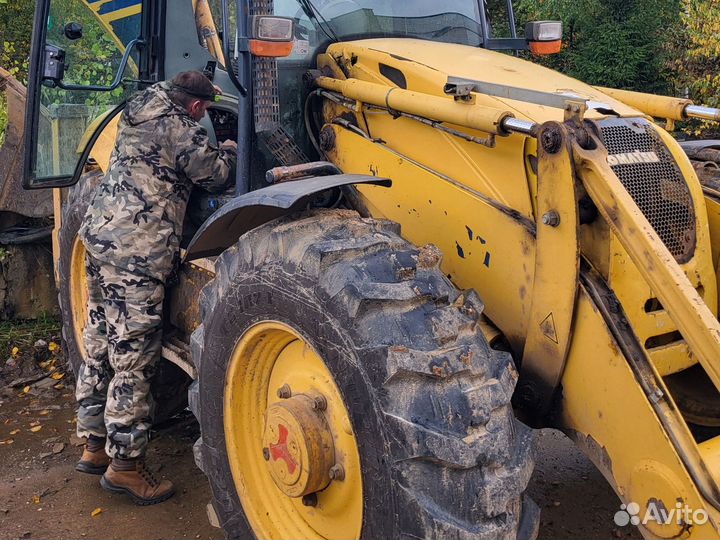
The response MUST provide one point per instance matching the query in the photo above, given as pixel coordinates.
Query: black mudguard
(244, 213)
(693, 147)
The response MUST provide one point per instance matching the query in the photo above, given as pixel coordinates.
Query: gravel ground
(575, 499)
(41, 496)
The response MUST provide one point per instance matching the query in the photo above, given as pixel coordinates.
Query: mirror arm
(226, 51)
(118, 77)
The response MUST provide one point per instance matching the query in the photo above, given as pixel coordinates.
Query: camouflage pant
(123, 340)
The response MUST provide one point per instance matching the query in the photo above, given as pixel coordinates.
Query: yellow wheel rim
(78, 292)
(280, 447)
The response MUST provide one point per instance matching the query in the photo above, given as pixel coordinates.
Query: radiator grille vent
(648, 171)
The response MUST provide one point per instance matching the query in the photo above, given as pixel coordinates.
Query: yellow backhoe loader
(431, 244)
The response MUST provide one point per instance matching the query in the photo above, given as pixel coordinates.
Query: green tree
(696, 59)
(617, 43)
(16, 17)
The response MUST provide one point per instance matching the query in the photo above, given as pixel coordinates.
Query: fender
(244, 213)
(693, 147)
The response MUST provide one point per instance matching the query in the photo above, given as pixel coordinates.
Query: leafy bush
(16, 17)
(696, 57)
(617, 43)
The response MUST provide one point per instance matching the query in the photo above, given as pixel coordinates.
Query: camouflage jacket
(136, 214)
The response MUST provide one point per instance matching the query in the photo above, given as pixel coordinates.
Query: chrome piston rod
(525, 127)
(702, 113)
(516, 125)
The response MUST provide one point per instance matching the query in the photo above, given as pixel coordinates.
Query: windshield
(452, 21)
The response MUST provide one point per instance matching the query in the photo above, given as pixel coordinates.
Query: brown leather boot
(94, 460)
(134, 479)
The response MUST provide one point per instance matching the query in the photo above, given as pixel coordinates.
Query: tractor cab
(90, 56)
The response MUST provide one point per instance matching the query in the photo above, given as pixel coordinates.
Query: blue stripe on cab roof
(115, 5)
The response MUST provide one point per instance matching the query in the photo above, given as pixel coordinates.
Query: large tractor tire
(170, 383)
(346, 391)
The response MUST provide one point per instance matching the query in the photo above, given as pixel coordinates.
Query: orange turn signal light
(542, 48)
(273, 49)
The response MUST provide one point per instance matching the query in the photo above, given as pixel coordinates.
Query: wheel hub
(298, 445)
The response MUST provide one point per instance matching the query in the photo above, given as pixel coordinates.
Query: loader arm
(687, 474)
(696, 323)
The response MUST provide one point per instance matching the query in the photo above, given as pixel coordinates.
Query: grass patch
(24, 333)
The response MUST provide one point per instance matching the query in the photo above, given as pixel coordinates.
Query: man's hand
(229, 145)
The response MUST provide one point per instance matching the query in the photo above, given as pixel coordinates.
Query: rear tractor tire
(345, 390)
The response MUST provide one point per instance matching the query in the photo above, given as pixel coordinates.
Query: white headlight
(269, 28)
(543, 31)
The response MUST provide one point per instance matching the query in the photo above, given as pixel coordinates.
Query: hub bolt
(337, 472)
(319, 403)
(284, 392)
(551, 218)
(310, 499)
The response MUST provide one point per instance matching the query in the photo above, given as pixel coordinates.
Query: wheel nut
(310, 500)
(552, 219)
(337, 472)
(319, 403)
(284, 392)
(266, 454)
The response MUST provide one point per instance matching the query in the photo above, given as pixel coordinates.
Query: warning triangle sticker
(547, 327)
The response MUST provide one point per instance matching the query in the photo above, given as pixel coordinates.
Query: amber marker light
(271, 36)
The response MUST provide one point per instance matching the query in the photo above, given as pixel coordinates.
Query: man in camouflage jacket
(132, 233)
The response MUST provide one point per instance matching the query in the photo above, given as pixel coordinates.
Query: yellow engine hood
(426, 65)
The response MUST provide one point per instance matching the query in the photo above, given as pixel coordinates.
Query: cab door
(88, 57)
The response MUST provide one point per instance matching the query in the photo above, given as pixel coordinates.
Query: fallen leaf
(53, 346)
(15, 351)
(26, 390)
(14, 432)
(44, 364)
(59, 386)
(44, 412)
(7, 441)
(35, 423)
(57, 375)
(35, 429)
(96, 512)
(36, 499)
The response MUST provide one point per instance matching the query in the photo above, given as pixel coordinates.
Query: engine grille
(648, 171)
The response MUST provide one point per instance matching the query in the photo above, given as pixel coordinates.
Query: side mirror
(271, 36)
(73, 31)
(544, 37)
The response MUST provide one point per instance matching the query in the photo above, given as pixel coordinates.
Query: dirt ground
(41, 496)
